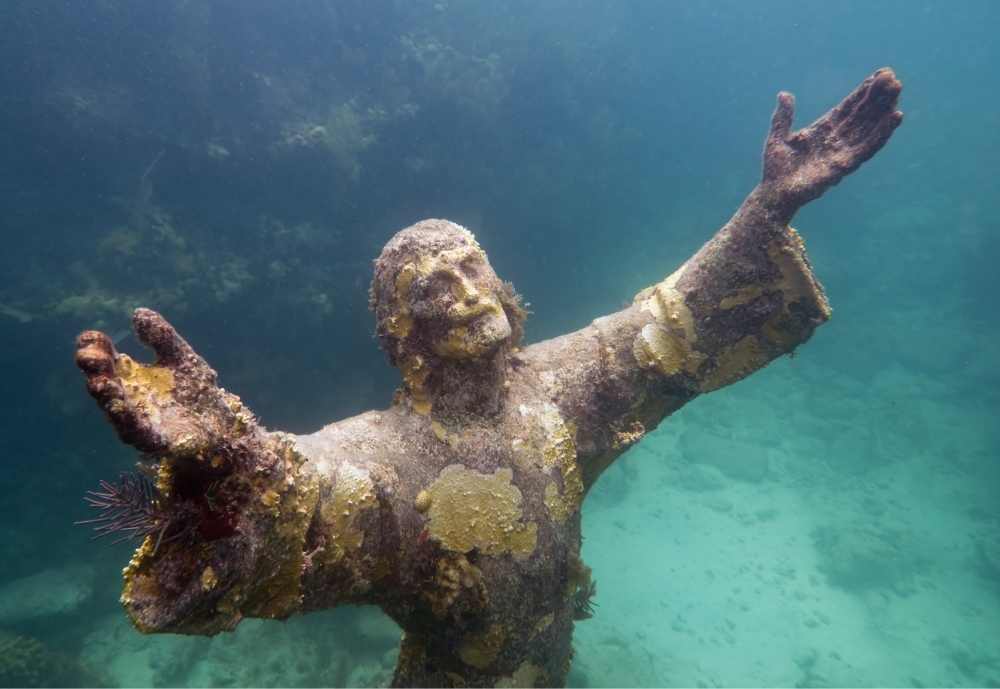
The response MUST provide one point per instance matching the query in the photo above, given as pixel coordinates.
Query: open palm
(171, 406)
(799, 166)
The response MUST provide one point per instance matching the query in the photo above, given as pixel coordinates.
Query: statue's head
(435, 295)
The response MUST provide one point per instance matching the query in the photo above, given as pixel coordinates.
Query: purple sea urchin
(131, 507)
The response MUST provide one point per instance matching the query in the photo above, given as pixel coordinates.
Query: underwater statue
(457, 509)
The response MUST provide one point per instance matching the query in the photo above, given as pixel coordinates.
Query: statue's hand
(799, 166)
(171, 406)
(227, 518)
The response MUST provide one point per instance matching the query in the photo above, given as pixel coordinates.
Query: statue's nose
(470, 293)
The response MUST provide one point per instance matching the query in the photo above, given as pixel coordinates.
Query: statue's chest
(503, 502)
(528, 455)
(543, 443)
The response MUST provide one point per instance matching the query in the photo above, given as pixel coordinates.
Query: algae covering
(469, 510)
(352, 495)
(667, 344)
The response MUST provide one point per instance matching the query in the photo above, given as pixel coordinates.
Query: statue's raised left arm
(746, 297)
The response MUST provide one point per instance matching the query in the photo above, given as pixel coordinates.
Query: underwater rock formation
(49, 592)
(457, 509)
(27, 662)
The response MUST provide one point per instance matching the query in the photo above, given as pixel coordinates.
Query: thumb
(781, 120)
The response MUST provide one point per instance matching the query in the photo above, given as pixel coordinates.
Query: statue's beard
(474, 339)
(489, 332)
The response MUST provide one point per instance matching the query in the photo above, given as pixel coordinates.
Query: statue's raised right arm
(745, 298)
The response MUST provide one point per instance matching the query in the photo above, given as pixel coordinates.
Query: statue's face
(453, 297)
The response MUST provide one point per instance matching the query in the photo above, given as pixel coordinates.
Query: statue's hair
(426, 237)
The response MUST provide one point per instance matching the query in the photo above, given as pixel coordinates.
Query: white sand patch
(850, 560)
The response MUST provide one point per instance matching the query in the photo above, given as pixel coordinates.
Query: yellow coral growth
(480, 650)
(142, 380)
(473, 510)
(668, 344)
(353, 494)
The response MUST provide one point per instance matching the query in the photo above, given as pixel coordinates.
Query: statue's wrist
(237, 548)
(279, 510)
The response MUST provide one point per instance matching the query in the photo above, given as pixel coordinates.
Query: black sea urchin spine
(131, 508)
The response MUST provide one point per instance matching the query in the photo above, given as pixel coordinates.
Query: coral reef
(345, 133)
(472, 82)
(27, 662)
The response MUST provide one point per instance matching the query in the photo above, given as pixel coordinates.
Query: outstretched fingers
(873, 99)
(800, 165)
(172, 405)
(885, 89)
(95, 353)
(155, 332)
(781, 120)
(779, 149)
(96, 357)
(869, 112)
(872, 141)
(172, 350)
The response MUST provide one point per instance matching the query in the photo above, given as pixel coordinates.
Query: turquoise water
(832, 520)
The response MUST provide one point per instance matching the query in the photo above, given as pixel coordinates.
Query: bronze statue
(457, 509)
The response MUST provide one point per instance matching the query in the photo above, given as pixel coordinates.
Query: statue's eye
(458, 290)
(472, 266)
(439, 286)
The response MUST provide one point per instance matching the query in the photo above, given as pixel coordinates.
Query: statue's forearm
(233, 546)
(352, 542)
(745, 298)
(307, 536)
(749, 295)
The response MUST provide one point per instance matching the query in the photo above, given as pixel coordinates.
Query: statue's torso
(485, 512)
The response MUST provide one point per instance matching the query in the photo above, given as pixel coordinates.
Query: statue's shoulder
(372, 434)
